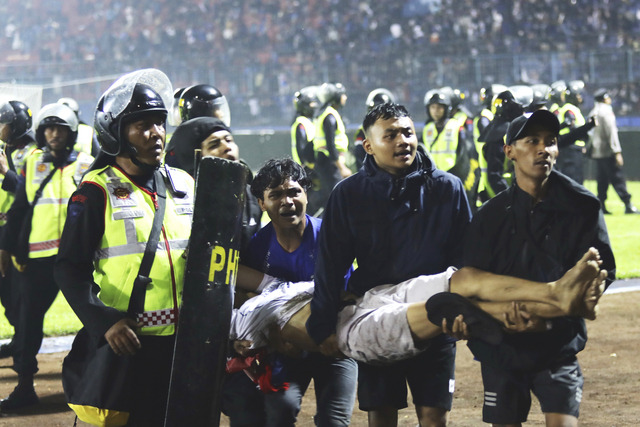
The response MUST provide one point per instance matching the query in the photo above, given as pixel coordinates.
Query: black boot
(604, 208)
(630, 209)
(21, 396)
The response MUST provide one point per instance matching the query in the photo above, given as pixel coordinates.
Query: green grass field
(624, 231)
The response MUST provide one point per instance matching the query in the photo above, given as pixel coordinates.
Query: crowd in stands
(261, 51)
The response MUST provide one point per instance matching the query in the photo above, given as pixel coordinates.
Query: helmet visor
(7, 114)
(119, 94)
(219, 108)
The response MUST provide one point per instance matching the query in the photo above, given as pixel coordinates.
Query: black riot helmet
(204, 101)
(379, 96)
(174, 118)
(457, 97)
(488, 93)
(573, 92)
(523, 94)
(131, 96)
(17, 115)
(541, 94)
(438, 96)
(306, 101)
(507, 106)
(56, 115)
(331, 94)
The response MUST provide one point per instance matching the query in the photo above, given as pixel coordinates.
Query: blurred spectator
(267, 47)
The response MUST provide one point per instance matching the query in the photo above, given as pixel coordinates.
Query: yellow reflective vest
(320, 141)
(18, 156)
(50, 210)
(310, 130)
(442, 146)
(484, 180)
(580, 121)
(84, 141)
(128, 218)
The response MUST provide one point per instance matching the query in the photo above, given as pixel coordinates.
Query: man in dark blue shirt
(398, 217)
(287, 248)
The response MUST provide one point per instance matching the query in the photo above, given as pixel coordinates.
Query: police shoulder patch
(121, 192)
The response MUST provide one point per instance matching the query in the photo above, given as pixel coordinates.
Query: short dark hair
(277, 171)
(384, 111)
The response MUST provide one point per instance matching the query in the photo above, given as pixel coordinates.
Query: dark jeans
(335, 385)
(242, 401)
(37, 291)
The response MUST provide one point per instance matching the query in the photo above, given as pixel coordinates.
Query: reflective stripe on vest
(129, 212)
(320, 141)
(18, 157)
(486, 113)
(562, 111)
(310, 130)
(50, 211)
(442, 146)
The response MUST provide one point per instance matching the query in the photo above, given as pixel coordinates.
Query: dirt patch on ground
(610, 365)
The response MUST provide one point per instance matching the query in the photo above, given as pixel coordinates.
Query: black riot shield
(207, 300)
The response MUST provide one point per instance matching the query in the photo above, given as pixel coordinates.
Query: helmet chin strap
(144, 166)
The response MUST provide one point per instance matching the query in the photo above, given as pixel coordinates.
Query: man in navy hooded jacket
(398, 217)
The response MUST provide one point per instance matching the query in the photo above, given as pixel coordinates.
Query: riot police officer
(571, 149)
(303, 129)
(16, 144)
(458, 110)
(449, 144)
(480, 123)
(200, 100)
(508, 105)
(331, 143)
(51, 174)
(86, 141)
(555, 96)
(104, 240)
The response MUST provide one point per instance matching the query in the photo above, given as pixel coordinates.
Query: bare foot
(571, 288)
(592, 296)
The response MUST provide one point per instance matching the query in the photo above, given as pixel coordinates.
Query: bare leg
(577, 292)
(560, 420)
(432, 417)
(421, 327)
(383, 417)
(567, 293)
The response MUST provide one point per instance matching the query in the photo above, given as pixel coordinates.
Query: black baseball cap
(521, 126)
